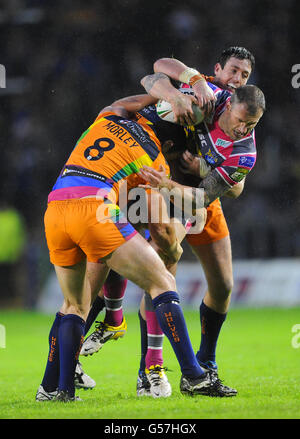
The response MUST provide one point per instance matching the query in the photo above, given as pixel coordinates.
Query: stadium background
(65, 60)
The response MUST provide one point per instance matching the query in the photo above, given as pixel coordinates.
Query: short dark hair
(250, 95)
(236, 52)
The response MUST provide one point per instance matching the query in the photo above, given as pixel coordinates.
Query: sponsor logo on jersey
(239, 174)
(246, 161)
(223, 143)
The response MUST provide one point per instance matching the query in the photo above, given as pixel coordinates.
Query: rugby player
(212, 247)
(229, 140)
(83, 222)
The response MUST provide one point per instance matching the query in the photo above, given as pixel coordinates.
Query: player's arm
(125, 107)
(162, 230)
(236, 190)
(159, 86)
(214, 186)
(178, 71)
(197, 166)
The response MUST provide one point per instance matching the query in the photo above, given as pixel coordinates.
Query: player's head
(243, 111)
(234, 67)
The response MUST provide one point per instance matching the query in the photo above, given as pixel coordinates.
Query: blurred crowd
(65, 60)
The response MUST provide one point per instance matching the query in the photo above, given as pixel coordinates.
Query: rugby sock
(155, 336)
(97, 307)
(144, 341)
(211, 323)
(114, 290)
(51, 375)
(70, 338)
(171, 320)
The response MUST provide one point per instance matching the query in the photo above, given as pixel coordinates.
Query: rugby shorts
(84, 228)
(215, 227)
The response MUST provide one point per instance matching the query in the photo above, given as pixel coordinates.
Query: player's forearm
(163, 235)
(177, 70)
(126, 106)
(236, 190)
(170, 66)
(135, 103)
(214, 187)
(159, 86)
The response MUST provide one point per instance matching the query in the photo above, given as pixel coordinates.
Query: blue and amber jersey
(110, 151)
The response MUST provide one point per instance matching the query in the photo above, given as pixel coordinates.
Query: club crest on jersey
(211, 157)
(246, 161)
(222, 142)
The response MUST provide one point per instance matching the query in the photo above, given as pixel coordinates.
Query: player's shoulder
(246, 144)
(245, 150)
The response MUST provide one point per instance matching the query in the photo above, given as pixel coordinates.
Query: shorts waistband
(86, 200)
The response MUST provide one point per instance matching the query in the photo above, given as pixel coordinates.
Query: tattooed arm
(159, 86)
(214, 187)
(126, 106)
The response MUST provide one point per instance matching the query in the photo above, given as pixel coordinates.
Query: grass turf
(255, 355)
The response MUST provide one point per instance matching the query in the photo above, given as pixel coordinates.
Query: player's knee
(164, 282)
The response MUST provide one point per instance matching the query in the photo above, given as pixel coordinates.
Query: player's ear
(218, 68)
(228, 105)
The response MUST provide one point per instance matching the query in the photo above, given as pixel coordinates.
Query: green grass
(255, 355)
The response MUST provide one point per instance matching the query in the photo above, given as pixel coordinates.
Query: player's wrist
(174, 252)
(191, 76)
(174, 97)
(166, 183)
(203, 169)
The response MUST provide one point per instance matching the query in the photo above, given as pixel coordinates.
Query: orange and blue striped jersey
(111, 150)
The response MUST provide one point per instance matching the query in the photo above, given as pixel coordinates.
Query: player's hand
(171, 255)
(166, 149)
(156, 179)
(183, 109)
(204, 94)
(190, 164)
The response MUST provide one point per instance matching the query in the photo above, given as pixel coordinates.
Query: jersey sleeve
(240, 162)
(134, 179)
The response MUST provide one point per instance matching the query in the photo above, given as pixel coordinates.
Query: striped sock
(155, 336)
(114, 290)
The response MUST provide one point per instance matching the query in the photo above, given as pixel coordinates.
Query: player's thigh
(216, 260)
(137, 261)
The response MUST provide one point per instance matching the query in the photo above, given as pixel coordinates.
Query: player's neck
(222, 122)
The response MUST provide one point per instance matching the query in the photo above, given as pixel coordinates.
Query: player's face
(237, 123)
(235, 73)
